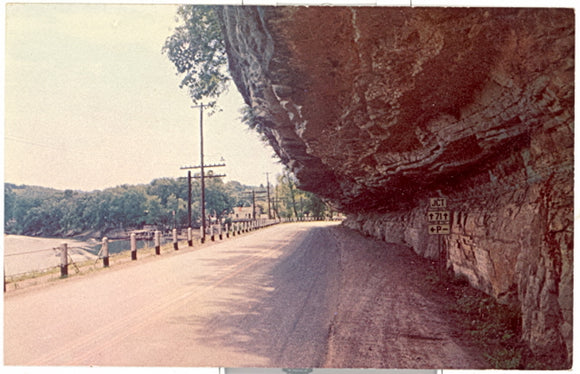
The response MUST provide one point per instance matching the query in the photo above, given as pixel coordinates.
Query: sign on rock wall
(438, 219)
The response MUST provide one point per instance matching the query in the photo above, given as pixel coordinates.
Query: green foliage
(197, 50)
(495, 327)
(41, 211)
(505, 358)
(218, 201)
(292, 202)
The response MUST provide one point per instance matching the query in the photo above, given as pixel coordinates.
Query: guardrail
(65, 261)
(214, 231)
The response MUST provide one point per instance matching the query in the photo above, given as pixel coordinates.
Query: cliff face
(379, 109)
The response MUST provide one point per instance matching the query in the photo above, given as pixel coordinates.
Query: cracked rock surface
(378, 109)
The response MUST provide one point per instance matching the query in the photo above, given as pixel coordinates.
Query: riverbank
(81, 263)
(24, 254)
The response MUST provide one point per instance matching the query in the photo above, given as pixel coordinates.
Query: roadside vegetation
(495, 328)
(198, 51)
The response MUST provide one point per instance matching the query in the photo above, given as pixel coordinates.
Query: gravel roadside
(385, 316)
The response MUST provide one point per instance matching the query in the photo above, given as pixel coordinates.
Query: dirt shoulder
(388, 315)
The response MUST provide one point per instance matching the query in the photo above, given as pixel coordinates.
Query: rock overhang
(371, 107)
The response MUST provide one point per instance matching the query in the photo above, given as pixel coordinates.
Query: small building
(244, 213)
(241, 213)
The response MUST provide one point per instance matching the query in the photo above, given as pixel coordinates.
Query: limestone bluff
(379, 109)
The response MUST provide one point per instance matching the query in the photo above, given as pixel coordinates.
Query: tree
(9, 202)
(288, 182)
(294, 202)
(153, 210)
(197, 50)
(217, 200)
(33, 210)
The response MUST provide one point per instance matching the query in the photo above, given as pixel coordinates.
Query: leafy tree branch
(197, 50)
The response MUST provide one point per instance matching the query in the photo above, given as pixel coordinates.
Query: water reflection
(121, 245)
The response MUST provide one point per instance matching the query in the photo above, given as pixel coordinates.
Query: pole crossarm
(209, 176)
(199, 166)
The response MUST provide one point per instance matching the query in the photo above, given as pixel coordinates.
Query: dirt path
(385, 317)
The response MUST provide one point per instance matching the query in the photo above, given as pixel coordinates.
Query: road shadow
(277, 305)
(327, 297)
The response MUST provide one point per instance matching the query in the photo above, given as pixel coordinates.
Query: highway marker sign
(439, 229)
(437, 202)
(443, 216)
(439, 219)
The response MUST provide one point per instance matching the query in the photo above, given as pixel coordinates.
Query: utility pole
(276, 201)
(189, 198)
(253, 204)
(202, 173)
(202, 166)
(202, 177)
(254, 192)
(268, 189)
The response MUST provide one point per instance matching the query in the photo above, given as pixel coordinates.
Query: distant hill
(42, 211)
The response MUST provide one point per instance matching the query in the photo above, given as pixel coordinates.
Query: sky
(91, 102)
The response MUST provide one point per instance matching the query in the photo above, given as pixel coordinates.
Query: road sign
(439, 229)
(437, 202)
(442, 216)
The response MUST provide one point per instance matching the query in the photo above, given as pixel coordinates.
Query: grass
(495, 328)
(493, 325)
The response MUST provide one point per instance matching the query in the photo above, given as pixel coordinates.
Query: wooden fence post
(105, 250)
(64, 260)
(157, 242)
(175, 246)
(133, 246)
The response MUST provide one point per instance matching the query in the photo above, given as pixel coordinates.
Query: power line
(93, 155)
(26, 141)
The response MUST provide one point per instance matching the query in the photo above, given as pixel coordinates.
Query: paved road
(292, 295)
(265, 299)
